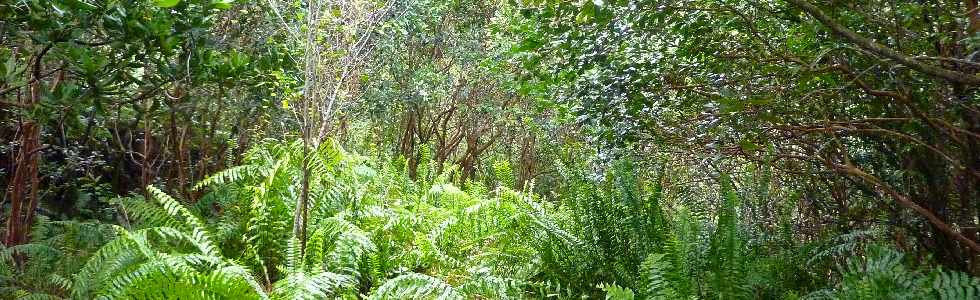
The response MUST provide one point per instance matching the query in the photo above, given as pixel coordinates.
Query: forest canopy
(474, 149)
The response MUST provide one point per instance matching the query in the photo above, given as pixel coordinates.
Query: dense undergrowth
(480, 149)
(376, 234)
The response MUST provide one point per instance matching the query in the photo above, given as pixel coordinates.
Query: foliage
(804, 87)
(473, 149)
(375, 233)
(882, 274)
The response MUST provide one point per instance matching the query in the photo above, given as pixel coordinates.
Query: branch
(33, 79)
(882, 50)
(907, 203)
(13, 104)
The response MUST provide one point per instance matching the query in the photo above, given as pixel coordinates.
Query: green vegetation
(472, 149)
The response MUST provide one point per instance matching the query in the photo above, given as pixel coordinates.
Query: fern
(883, 274)
(299, 283)
(659, 276)
(485, 286)
(151, 263)
(725, 247)
(42, 269)
(953, 285)
(374, 233)
(416, 286)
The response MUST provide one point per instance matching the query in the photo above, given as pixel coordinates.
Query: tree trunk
(23, 186)
(973, 15)
(299, 216)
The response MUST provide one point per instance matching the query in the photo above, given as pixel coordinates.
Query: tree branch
(907, 203)
(13, 88)
(882, 50)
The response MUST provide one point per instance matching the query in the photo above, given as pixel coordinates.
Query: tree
(99, 89)
(886, 101)
(335, 38)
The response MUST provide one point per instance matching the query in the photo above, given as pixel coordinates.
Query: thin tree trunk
(145, 164)
(973, 15)
(299, 217)
(23, 186)
(178, 144)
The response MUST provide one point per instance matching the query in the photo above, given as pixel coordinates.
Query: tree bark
(973, 15)
(23, 187)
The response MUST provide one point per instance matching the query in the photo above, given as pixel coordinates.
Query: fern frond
(233, 174)
(954, 285)
(300, 285)
(658, 276)
(199, 234)
(140, 213)
(416, 286)
(485, 286)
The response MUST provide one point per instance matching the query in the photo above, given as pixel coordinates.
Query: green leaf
(528, 44)
(586, 14)
(222, 4)
(748, 146)
(166, 3)
(616, 292)
(730, 105)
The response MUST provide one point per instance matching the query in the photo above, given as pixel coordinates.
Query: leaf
(166, 3)
(820, 56)
(748, 146)
(528, 44)
(616, 292)
(586, 14)
(730, 105)
(222, 4)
